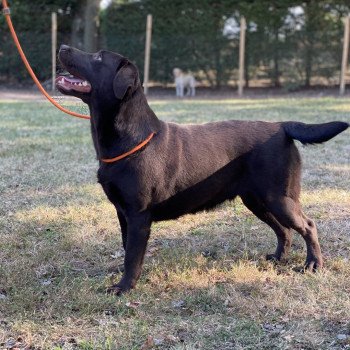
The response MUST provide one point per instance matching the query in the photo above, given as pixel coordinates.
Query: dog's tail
(313, 133)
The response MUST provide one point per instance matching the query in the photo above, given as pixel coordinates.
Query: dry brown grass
(206, 284)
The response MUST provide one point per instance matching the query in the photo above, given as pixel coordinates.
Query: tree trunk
(246, 58)
(276, 73)
(77, 31)
(218, 68)
(308, 65)
(91, 25)
(310, 18)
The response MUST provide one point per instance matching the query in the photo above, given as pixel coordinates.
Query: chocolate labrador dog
(151, 170)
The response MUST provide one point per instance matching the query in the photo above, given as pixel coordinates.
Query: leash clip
(6, 11)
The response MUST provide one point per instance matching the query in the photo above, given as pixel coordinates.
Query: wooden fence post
(147, 53)
(53, 47)
(345, 55)
(241, 56)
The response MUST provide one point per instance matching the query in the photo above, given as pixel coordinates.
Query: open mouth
(73, 83)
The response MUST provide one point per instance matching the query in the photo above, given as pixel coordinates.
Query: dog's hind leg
(284, 234)
(138, 232)
(193, 87)
(288, 212)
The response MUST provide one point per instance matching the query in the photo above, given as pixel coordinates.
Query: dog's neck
(119, 129)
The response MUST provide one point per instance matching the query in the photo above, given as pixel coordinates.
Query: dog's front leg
(123, 228)
(181, 90)
(138, 232)
(177, 90)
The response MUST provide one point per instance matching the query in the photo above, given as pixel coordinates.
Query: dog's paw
(272, 257)
(313, 264)
(118, 289)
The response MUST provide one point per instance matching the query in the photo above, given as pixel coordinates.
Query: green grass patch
(205, 284)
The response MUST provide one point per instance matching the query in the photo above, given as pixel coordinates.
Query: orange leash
(124, 155)
(6, 12)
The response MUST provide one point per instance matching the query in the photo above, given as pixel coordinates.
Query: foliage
(32, 22)
(289, 42)
(186, 34)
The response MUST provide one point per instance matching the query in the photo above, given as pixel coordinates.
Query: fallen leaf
(209, 254)
(158, 341)
(178, 303)
(341, 336)
(268, 280)
(46, 282)
(133, 304)
(10, 343)
(288, 337)
(171, 338)
(151, 251)
(273, 328)
(44, 271)
(148, 344)
(118, 254)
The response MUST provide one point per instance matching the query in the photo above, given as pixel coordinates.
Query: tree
(289, 42)
(85, 25)
(186, 34)
(320, 34)
(32, 21)
(78, 23)
(297, 39)
(265, 41)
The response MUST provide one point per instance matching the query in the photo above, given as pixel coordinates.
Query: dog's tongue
(73, 83)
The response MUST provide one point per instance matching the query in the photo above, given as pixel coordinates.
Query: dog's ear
(125, 78)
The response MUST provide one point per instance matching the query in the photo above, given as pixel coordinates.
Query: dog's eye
(98, 56)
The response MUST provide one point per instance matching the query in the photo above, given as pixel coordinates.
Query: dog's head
(103, 76)
(177, 72)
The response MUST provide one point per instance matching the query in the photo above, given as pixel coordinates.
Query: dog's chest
(108, 180)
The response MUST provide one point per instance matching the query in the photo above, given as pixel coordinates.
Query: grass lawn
(205, 285)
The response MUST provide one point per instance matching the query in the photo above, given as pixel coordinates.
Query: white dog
(183, 81)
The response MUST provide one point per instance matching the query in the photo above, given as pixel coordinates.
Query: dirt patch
(28, 95)
(202, 93)
(251, 92)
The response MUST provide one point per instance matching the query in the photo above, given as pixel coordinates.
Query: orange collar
(135, 149)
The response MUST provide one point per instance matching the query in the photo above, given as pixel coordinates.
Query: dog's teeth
(84, 83)
(80, 84)
(62, 80)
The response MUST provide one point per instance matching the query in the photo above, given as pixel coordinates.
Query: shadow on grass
(203, 288)
(205, 281)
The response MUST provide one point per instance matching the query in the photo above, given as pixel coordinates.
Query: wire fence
(289, 59)
(285, 62)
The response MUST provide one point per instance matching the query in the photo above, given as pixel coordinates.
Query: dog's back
(202, 165)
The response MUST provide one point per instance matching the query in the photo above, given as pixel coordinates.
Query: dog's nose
(64, 48)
